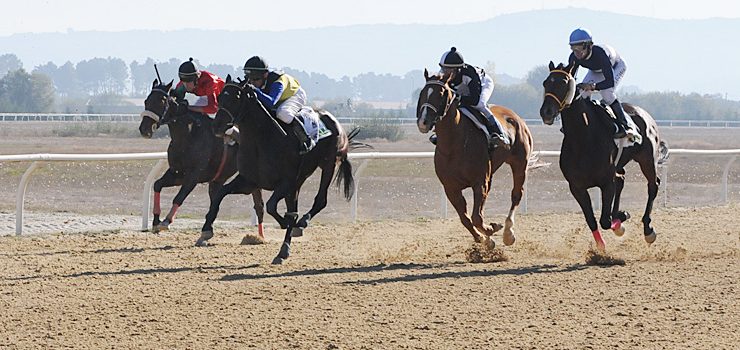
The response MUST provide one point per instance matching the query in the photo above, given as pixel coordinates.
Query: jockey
(281, 94)
(474, 87)
(606, 69)
(207, 86)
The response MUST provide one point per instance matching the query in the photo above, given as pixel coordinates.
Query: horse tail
(663, 152)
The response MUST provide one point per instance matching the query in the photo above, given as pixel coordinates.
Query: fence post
(664, 183)
(20, 196)
(353, 208)
(725, 174)
(443, 204)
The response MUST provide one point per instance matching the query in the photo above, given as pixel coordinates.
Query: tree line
(74, 87)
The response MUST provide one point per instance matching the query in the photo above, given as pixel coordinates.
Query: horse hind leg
(458, 202)
(584, 201)
(650, 172)
(519, 173)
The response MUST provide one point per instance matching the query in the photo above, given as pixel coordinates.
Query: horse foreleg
(239, 183)
(169, 179)
(259, 210)
(480, 194)
(188, 185)
(607, 199)
(584, 201)
(650, 172)
(279, 193)
(618, 217)
(455, 196)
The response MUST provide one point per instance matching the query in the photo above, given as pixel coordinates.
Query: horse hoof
(619, 231)
(509, 238)
(277, 261)
(284, 251)
(203, 239)
(496, 226)
(650, 238)
(296, 232)
(489, 243)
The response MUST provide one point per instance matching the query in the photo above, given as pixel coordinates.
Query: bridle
(154, 116)
(226, 110)
(566, 101)
(450, 99)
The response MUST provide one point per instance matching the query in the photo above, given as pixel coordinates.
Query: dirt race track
(379, 285)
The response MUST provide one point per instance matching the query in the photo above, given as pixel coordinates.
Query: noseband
(564, 102)
(154, 116)
(450, 99)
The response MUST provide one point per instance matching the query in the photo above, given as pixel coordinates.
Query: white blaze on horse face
(420, 122)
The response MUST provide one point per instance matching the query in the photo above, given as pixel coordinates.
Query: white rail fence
(124, 117)
(39, 159)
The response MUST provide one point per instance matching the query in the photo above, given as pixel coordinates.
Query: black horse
(268, 159)
(195, 155)
(588, 156)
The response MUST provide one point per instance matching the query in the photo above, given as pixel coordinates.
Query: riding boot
(498, 138)
(622, 125)
(304, 142)
(433, 138)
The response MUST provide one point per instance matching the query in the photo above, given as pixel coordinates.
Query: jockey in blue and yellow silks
(281, 94)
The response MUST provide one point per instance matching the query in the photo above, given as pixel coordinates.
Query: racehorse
(268, 158)
(589, 156)
(195, 155)
(462, 159)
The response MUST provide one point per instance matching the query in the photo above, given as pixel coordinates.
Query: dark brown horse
(268, 159)
(462, 159)
(195, 155)
(588, 156)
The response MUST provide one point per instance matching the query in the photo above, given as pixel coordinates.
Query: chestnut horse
(590, 158)
(195, 155)
(462, 159)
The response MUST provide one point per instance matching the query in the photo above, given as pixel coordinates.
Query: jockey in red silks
(207, 86)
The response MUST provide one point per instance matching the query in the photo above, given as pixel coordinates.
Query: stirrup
(497, 141)
(433, 139)
(621, 132)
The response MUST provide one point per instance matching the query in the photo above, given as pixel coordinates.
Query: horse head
(158, 107)
(435, 100)
(560, 89)
(230, 102)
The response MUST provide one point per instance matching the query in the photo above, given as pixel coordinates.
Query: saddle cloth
(476, 117)
(315, 128)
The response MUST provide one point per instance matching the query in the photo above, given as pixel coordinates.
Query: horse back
(648, 127)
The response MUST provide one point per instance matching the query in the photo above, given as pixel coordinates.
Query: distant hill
(660, 54)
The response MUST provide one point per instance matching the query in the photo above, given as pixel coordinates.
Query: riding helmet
(451, 59)
(188, 71)
(255, 65)
(580, 35)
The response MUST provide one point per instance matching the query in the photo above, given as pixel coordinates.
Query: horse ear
(228, 78)
(155, 83)
(426, 74)
(552, 65)
(169, 85)
(569, 67)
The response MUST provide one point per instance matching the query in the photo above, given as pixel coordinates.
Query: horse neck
(179, 130)
(450, 129)
(582, 127)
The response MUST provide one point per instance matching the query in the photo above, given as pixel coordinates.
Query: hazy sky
(23, 16)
